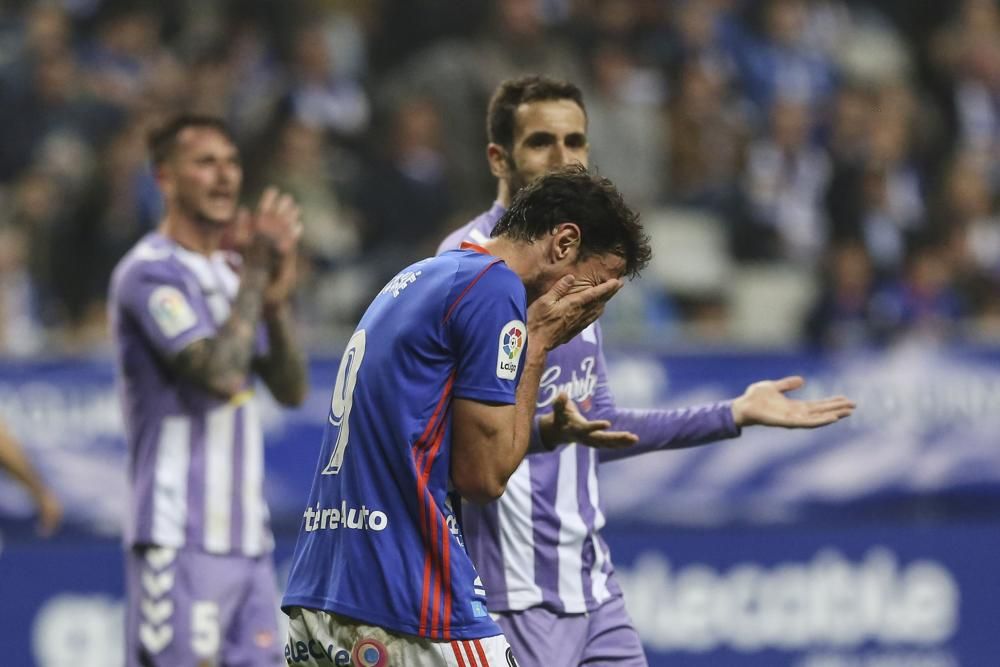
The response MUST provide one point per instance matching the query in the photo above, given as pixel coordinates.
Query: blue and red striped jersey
(381, 541)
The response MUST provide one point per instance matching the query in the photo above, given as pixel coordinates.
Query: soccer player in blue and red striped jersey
(193, 325)
(539, 549)
(434, 400)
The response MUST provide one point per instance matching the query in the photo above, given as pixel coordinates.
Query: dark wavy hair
(572, 194)
(163, 139)
(512, 93)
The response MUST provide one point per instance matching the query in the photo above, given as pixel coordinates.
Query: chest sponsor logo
(513, 336)
(579, 385)
(171, 311)
(354, 518)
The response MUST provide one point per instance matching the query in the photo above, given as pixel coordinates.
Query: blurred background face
(547, 135)
(201, 180)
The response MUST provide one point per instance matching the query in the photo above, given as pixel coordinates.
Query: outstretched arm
(13, 460)
(763, 403)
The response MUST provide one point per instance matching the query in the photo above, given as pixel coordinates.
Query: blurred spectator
(880, 197)
(925, 302)
(696, 35)
(968, 52)
(126, 64)
(54, 103)
(321, 96)
(783, 187)
(625, 125)
(844, 315)
(300, 163)
(777, 61)
(708, 135)
(405, 199)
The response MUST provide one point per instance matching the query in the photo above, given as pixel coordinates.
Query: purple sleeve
(659, 429)
(169, 310)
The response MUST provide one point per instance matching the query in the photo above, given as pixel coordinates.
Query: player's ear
(566, 241)
(496, 155)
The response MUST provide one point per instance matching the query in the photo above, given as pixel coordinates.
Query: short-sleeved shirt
(380, 540)
(195, 461)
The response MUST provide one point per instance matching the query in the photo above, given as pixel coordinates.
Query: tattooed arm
(221, 364)
(284, 368)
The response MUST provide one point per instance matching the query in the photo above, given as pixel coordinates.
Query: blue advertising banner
(867, 544)
(875, 595)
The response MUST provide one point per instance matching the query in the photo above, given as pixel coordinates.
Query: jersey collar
(466, 245)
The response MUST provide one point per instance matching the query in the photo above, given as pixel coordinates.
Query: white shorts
(330, 640)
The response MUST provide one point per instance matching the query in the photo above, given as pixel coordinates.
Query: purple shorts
(604, 637)
(193, 608)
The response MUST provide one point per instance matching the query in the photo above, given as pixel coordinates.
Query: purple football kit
(380, 547)
(538, 548)
(199, 574)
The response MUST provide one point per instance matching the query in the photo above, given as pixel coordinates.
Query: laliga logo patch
(512, 340)
(171, 311)
(370, 653)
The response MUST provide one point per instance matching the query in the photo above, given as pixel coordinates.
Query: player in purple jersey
(435, 399)
(539, 548)
(193, 326)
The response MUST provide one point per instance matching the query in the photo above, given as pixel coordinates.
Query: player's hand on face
(765, 403)
(567, 309)
(278, 220)
(566, 424)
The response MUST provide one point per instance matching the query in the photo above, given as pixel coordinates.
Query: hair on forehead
(571, 194)
(163, 140)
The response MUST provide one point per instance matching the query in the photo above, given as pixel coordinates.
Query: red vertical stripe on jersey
(439, 541)
(423, 453)
(469, 654)
(482, 653)
(436, 557)
(468, 287)
(458, 654)
(446, 575)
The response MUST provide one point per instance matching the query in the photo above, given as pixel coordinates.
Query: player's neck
(503, 193)
(194, 235)
(521, 258)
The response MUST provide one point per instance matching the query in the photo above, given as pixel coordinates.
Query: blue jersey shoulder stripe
(469, 287)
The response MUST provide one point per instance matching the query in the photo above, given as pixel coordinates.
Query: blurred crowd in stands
(823, 172)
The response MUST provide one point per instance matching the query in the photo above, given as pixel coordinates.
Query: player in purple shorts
(539, 548)
(434, 402)
(193, 326)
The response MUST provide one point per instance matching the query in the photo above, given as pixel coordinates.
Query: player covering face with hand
(434, 402)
